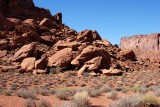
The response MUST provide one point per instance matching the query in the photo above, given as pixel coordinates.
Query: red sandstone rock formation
(40, 42)
(141, 42)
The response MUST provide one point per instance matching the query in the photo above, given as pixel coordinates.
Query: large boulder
(94, 64)
(41, 63)
(73, 45)
(88, 36)
(5, 24)
(32, 36)
(91, 65)
(48, 23)
(58, 18)
(23, 9)
(102, 42)
(91, 52)
(24, 52)
(31, 21)
(129, 54)
(3, 53)
(28, 64)
(62, 58)
(24, 28)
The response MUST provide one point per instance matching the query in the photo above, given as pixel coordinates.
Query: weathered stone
(31, 21)
(48, 23)
(91, 52)
(103, 42)
(111, 72)
(32, 36)
(15, 21)
(88, 36)
(5, 23)
(58, 18)
(81, 71)
(23, 9)
(73, 45)
(62, 58)
(28, 64)
(3, 53)
(24, 52)
(49, 40)
(41, 63)
(94, 64)
(39, 71)
(128, 54)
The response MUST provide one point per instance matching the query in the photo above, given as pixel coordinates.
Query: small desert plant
(81, 99)
(64, 93)
(135, 88)
(105, 89)
(143, 89)
(44, 91)
(7, 92)
(137, 100)
(44, 103)
(111, 95)
(94, 92)
(29, 103)
(26, 94)
(66, 104)
(150, 100)
(157, 92)
(131, 101)
(54, 70)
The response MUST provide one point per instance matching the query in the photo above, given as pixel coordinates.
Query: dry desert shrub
(157, 92)
(8, 92)
(44, 103)
(64, 93)
(66, 104)
(26, 94)
(112, 95)
(81, 99)
(137, 100)
(29, 103)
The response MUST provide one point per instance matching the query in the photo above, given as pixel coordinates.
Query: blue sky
(112, 19)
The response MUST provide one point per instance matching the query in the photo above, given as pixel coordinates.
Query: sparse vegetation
(30, 103)
(157, 92)
(64, 93)
(44, 103)
(26, 94)
(111, 95)
(81, 99)
(8, 92)
(137, 100)
(66, 104)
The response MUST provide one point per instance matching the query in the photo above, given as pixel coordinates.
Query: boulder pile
(32, 40)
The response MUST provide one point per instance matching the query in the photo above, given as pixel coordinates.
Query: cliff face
(23, 9)
(144, 46)
(141, 42)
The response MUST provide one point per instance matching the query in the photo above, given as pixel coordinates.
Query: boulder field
(32, 40)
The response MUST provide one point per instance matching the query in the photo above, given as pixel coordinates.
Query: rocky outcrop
(5, 23)
(146, 47)
(23, 9)
(141, 42)
(28, 64)
(62, 58)
(38, 42)
(24, 52)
